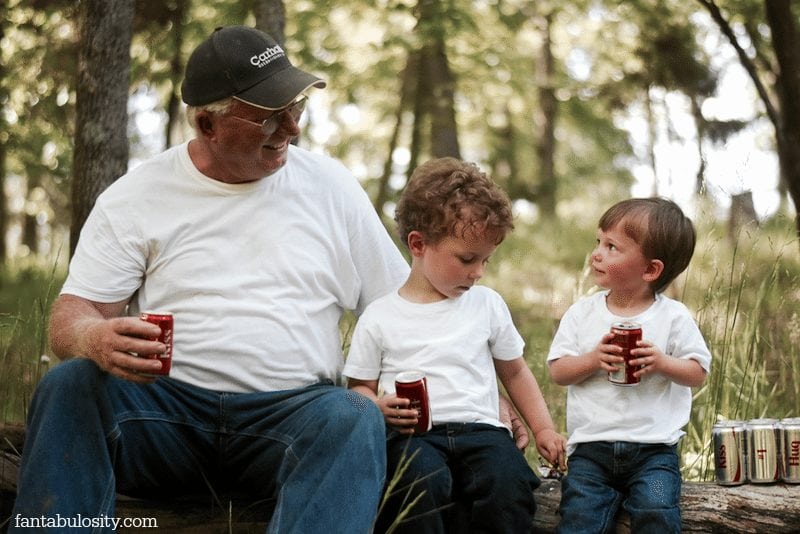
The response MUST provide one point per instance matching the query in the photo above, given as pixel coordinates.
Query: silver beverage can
(790, 449)
(730, 453)
(763, 443)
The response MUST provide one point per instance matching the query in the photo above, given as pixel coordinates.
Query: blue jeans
(468, 477)
(317, 452)
(644, 478)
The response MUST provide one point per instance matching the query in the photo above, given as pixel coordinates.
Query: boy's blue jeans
(644, 478)
(473, 477)
(318, 452)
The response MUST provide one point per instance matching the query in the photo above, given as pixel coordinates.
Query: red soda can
(413, 385)
(730, 453)
(165, 322)
(626, 335)
(763, 443)
(790, 449)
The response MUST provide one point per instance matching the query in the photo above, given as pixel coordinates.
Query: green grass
(25, 298)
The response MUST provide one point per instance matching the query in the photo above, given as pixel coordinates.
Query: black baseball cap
(242, 62)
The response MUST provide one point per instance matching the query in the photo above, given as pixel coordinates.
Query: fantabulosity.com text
(80, 521)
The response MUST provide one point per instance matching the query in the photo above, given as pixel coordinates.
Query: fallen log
(707, 507)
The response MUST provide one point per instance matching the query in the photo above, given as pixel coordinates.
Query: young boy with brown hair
(623, 440)
(466, 471)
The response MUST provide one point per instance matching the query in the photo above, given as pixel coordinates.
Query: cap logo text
(267, 56)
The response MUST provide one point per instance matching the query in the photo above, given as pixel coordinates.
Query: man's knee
(76, 377)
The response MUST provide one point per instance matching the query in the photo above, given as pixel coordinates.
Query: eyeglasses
(271, 123)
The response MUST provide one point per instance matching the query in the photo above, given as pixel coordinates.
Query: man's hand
(113, 344)
(80, 328)
(512, 420)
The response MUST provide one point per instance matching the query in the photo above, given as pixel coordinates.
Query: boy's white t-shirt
(655, 410)
(255, 274)
(452, 341)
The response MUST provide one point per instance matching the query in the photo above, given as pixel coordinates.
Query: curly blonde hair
(449, 197)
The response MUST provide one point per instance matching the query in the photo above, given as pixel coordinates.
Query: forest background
(571, 106)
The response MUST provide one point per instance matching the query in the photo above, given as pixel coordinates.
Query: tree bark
(785, 117)
(176, 71)
(407, 95)
(786, 43)
(271, 19)
(548, 109)
(101, 136)
(3, 139)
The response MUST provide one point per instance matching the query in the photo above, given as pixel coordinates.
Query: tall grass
(25, 298)
(746, 294)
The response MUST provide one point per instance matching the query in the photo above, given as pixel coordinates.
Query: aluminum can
(730, 453)
(626, 335)
(763, 443)
(790, 449)
(165, 322)
(413, 385)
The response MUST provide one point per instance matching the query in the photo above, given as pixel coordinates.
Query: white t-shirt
(452, 341)
(257, 275)
(655, 410)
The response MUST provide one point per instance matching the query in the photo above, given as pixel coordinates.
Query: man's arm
(85, 329)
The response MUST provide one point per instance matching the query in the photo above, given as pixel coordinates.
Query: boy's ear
(653, 271)
(416, 243)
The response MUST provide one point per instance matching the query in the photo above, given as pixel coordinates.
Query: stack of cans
(760, 451)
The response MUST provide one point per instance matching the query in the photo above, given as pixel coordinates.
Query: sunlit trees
(772, 60)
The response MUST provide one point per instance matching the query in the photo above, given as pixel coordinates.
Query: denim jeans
(644, 478)
(317, 452)
(468, 477)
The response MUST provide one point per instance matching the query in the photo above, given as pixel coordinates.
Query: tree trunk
(786, 43)
(434, 67)
(3, 140)
(652, 130)
(176, 72)
(700, 125)
(444, 130)
(407, 95)
(420, 115)
(271, 19)
(786, 117)
(101, 141)
(548, 108)
(743, 213)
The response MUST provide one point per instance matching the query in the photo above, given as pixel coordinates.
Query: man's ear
(205, 125)
(653, 270)
(416, 243)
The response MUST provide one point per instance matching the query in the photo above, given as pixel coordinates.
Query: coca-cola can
(626, 335)
(730, 452)
(413, 385)
(763, 443)
(790, 449)
(165, 322)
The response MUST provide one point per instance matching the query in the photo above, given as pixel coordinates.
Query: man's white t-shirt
(451, 341)
(655, 410)
(257, 274)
